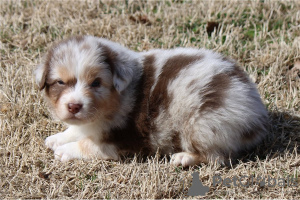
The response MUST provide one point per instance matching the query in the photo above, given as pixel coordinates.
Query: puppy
(192, 103)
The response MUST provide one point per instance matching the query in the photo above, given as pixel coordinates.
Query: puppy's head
(83, 79)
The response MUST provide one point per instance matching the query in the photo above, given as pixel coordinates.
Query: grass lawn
(263, 36)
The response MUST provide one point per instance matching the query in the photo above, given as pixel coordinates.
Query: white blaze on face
(75, 96)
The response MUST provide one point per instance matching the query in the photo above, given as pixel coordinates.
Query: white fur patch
(184, 159)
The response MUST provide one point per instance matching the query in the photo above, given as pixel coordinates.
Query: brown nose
(74, 107)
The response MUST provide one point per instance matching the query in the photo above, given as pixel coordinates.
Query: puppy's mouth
(75, 118)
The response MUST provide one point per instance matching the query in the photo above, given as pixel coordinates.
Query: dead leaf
(297, 65)
(211, 26)
(294, 73)
(132, 18)
(4, 107)
(44, 175)
(144, 19)
(140, 18)
(295, 164)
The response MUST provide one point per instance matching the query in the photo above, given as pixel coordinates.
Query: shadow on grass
(284, 136)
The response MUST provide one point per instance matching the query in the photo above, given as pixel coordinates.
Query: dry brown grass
(264, 36)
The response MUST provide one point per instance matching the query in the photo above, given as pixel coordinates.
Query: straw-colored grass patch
(264, 36)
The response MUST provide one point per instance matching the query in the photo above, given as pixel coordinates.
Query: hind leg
(187, 159)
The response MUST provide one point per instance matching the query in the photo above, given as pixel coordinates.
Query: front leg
(72, 134)
(86, 149)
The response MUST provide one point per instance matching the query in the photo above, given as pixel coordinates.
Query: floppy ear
(121, 67)
(122, 76)
(40, 76)
(43, 69)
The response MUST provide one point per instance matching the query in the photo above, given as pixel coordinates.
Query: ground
(263, 36)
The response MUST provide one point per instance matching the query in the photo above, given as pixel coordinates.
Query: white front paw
(68, 152)
(54, 141)
(182, 158)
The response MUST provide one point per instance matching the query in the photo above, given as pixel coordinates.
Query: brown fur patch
(160, 97)
(90, 74)
(144, 122)
(55, 91)
(213, 94)
(134, 137)
(46, 63)
(66, 76)
(176, 142)
(112, 105)
(238, 73)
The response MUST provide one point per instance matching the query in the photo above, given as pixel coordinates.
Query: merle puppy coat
(192, 103)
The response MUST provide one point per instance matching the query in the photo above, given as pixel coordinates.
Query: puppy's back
(202, 103)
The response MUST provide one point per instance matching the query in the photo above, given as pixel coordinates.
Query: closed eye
(96, 83)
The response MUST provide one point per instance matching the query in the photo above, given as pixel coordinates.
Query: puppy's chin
(76, 119)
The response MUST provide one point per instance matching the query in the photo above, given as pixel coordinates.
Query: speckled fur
(195, 104)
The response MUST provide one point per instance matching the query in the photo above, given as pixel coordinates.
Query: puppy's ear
(40, 76)
(43, 69)
(122, 77)
(121, 68)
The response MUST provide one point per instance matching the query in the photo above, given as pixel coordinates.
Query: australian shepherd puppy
(195, 104)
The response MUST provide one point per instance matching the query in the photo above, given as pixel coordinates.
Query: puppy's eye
(60, 82)
(96, 83)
